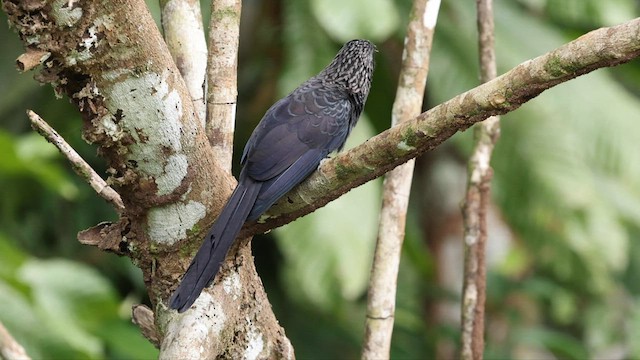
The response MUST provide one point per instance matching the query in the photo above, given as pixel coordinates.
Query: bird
(287, 145)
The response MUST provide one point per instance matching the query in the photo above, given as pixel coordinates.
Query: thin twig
(477, 199)
(78, 164)
(10, 349)
(222, 68)
(397, 185)
(184, 35)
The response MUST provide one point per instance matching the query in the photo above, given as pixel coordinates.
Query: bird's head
(352, 67)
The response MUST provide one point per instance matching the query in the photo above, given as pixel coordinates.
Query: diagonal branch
(600, 48)
(78, 164)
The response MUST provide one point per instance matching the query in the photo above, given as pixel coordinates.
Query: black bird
(295, 134)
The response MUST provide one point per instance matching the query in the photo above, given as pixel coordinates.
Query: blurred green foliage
(566, 182)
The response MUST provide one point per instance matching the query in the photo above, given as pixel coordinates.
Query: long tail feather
(206, 263)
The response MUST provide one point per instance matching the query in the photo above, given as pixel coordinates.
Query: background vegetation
(564, 255)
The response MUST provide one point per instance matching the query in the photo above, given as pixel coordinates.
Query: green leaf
(584, 13)
(41, 157)
(10, 258)
(124, 340)
(68, 310)
(10, 163)
(375, 20)
(307, 49)
(20, 319)
(32, 146)
(32, 156)
(68, 297)
(563, 345)
(634, 328)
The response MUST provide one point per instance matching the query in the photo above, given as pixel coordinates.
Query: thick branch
(600, 48)
(222, 94)
(474, 209)
(184, 35)
(397, 184)
(231, 319)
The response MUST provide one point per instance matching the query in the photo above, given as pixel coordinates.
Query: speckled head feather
(352, 68)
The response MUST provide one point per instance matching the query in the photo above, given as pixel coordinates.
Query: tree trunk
(111, 61)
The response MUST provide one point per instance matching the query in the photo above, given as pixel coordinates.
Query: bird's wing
(273, 189)
(291, 140)
(311, 121)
